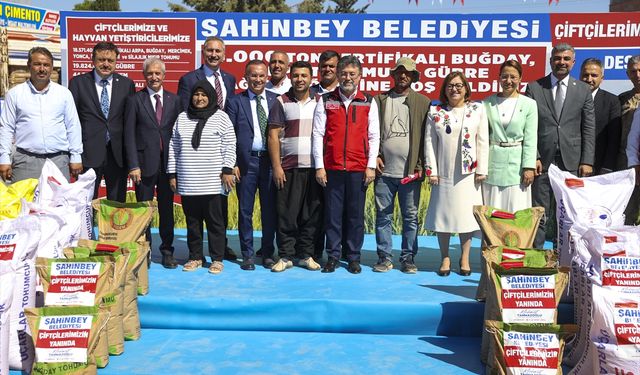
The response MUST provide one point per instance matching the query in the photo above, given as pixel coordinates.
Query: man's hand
(228, 181)
(5, 171)
(173, 184)
(236, 172)
(279, 178)
(433, 180)
(480, 177)
(538, 171)
(379, 166)
(527, 177)
(135, 175)
(369, 176)
(585, 170)
(75, 169)
(321, 177)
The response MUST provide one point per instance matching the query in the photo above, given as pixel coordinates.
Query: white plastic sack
(19, 240)
(54, 191)
(588, 201)
(7, 277)
(60, 227)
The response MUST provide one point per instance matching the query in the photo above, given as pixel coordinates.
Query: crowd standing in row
(311, 151)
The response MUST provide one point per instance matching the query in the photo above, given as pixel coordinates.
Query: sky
(393, 6)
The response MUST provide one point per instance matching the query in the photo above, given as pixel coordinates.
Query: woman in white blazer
(456, 156)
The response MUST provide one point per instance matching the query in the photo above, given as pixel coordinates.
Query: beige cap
(409, 65)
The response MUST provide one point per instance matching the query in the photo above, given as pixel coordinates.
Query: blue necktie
(104, 104)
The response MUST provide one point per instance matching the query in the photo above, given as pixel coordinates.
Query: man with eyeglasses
(566, 129)
(346, 138)
(399, 166)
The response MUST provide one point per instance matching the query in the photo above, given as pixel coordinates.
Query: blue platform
(305, 322)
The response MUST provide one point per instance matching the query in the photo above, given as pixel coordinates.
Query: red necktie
(159, 115)
(218, 90)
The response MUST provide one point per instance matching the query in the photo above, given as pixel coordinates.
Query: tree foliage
(101, 5)
(240, 6)
(346, 6)
(310, 6)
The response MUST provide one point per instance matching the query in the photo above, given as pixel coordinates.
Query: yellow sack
(10, 197)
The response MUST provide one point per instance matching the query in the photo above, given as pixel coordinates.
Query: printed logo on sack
(6, 251)
(121, 218)
(595, 215)
(511, 238)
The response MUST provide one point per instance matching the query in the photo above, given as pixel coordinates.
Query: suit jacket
(506, 163)
(239, 111)
(607, 110)
(94, 125)
(188, 80)
(629, 101)
(143, 134)
(574, 131)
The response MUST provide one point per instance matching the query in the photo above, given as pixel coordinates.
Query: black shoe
(229, 254)
(259, 252)
(248, 265)
(444, 272)
(169, 262)
(268, 263)
(463, 272)
(354, 267)
(331, 265)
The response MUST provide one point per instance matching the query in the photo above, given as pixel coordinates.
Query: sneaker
(192, 265)
(309, 263)
(409, 267)
(383, 265)
(281, 265)
(216, 267)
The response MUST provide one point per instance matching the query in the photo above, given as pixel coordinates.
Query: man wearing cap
(402, 113)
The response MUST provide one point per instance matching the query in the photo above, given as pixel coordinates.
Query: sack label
(528, 299)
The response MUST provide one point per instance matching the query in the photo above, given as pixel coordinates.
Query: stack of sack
(90, 288)
(601, 252)
(523, 290)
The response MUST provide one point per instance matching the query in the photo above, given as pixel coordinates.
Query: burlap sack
(500, 228)
(115, 300)
(528, 348)
(66, 338)
(510, 261)
(79, 282)
(123, 222)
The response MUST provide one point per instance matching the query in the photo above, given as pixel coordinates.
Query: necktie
(104, 105)
(158, 109)
(104, 98)
(218, 90)
(262, 119)
(159, 114)
(559, 102)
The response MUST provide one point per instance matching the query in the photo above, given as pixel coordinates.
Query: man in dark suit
(629, 102)
(607, 111)
(100, 96)
(149, 118)
(224, 85)
(566, 129)
(223, 82)
(249, 112)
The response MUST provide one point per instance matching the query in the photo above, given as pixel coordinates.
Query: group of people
(311, 151)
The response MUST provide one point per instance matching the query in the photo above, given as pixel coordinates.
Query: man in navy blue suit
(224, 83)
(249, 112)
(149, 118)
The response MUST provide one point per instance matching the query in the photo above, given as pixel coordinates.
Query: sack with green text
(501, 228)
(528, 349)
(65, 338)
(80, 282)
(114, 300)
(123, 222)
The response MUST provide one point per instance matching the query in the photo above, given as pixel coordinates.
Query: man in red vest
(346, 137)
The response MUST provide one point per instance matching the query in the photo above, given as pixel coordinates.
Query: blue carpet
(306, 322)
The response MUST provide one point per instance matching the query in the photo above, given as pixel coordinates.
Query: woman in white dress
(513, 138)
(456, 156)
